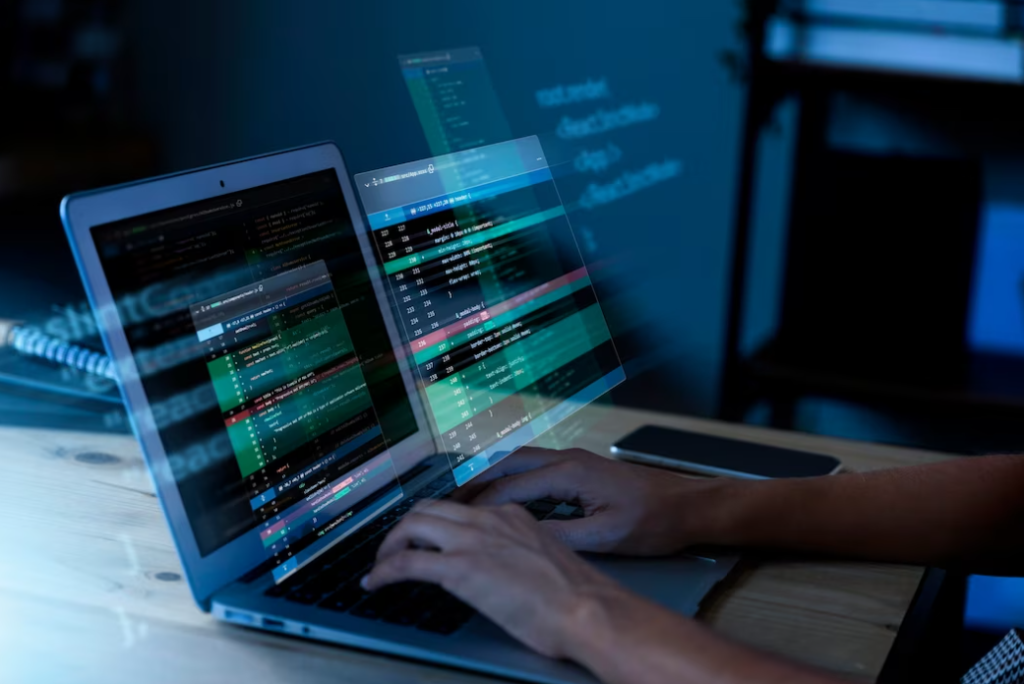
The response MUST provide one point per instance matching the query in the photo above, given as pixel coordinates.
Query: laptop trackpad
(676, 582)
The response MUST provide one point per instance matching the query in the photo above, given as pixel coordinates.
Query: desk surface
(91, 588)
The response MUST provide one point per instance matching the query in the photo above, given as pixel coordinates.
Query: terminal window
(496, 304)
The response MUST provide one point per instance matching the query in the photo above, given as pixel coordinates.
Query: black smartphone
(707, 455)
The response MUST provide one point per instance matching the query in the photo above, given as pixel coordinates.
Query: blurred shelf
(961, 62)
(996, 59)
(979, 40)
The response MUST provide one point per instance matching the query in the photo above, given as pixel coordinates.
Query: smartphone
(707, 455)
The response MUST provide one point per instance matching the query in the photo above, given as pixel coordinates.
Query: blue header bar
(390, 195)
(383, 219)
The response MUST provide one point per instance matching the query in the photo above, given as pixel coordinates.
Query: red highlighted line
(496, 310)
(263, 404)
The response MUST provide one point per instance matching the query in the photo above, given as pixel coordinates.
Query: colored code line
(524, 362)
(264, 404)
(479, 238)
(306, 510)
(342, 451)
(453, 335)
(524, 435)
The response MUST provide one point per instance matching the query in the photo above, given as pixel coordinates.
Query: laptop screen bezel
(84, 211)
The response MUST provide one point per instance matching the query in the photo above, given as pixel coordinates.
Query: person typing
(526, 576)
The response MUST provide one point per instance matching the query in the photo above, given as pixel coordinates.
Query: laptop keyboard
(332, 580)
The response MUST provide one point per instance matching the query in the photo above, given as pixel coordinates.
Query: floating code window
(454, 99)
(286, 375)
(496, 303)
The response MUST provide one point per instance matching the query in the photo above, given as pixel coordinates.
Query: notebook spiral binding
(35, 343)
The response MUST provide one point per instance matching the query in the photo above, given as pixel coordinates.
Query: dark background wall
(216, 81)
(106, 91)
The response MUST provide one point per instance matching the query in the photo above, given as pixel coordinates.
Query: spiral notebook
(46, 382)
(34, 393)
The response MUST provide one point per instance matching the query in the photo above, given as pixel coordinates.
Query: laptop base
(679, 583)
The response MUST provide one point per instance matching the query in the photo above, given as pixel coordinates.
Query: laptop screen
(266, 361)
(265, 354)
(494, 300)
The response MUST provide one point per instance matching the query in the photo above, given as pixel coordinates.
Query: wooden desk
(91, 588)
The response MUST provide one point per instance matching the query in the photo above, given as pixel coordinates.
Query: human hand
(511, 569)
(504, 564)
(630, 509)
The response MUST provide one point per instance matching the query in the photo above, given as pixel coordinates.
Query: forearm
(624, 639)
(959, 511)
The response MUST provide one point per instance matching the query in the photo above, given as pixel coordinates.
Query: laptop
(299, 377)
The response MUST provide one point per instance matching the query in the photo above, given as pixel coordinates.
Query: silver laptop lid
(259, 362)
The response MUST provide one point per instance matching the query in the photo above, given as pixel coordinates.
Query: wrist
(623, 638)
(719, 511)
(590, 630)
